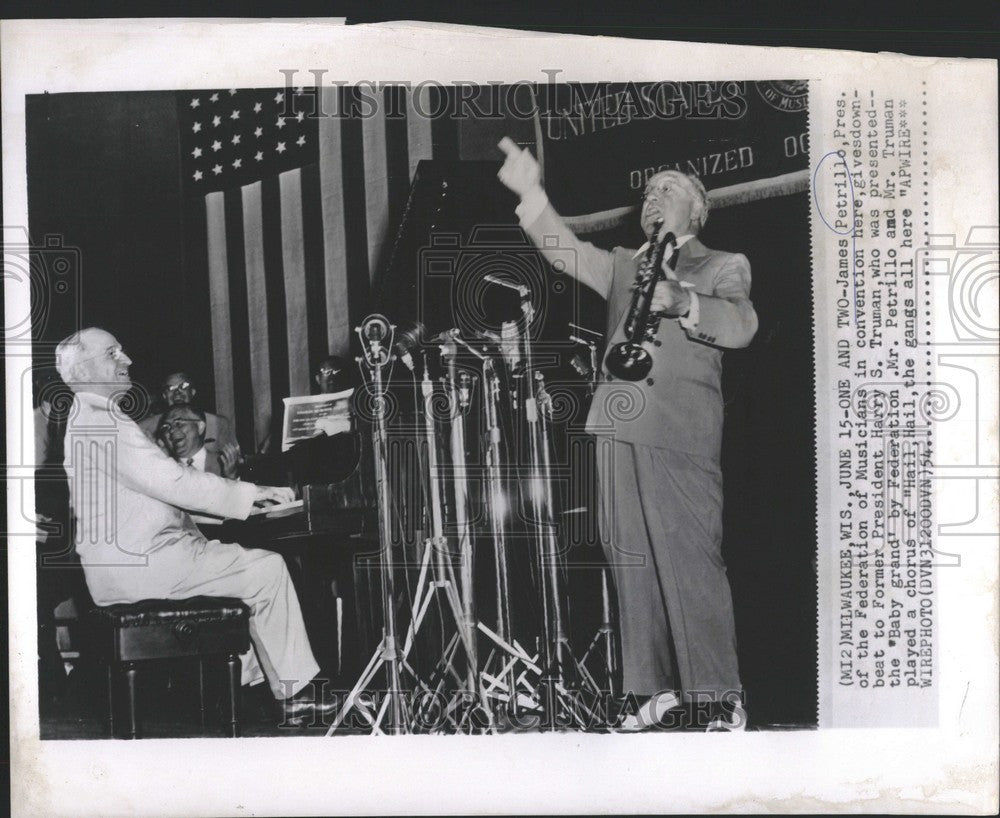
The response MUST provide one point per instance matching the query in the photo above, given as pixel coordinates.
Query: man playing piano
(137, 541)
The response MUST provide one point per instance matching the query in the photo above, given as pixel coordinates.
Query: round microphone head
(375, 327)
(410, 338)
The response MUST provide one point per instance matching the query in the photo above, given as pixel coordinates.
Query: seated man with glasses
(179, 388)
(136, 539)
(182, 434)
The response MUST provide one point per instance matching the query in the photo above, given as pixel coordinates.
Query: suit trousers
(279, 644)
(661, 525)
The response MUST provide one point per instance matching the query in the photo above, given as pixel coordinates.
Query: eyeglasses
(176, 423)
(178, 386)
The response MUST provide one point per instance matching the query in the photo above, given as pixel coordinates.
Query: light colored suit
(137, 541)
(660, 483)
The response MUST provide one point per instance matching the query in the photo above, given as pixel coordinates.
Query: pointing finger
(509, 146)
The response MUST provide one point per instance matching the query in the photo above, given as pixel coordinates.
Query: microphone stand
(503, 678)
(560, 709)
(387, 655)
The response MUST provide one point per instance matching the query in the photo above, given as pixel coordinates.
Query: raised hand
(521, 171)
(229, 460)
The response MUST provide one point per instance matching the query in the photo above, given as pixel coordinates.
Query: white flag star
(236, 139)
(196, 127)
(300, 116)
(195, 102)
(279, 97)
(232, 92)
(280, 123)
(213, 98)
(281, 147)
(197, 175)
(216, 121)
(258, 131)
(301, 140)
(217, 170)
(196, 153)
(256, 107)
(259, 156)
(237, 163)
(216, 145)
(234, 115)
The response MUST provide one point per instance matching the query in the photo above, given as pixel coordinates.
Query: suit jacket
(680, 406)
(218, 431)
(131, 502)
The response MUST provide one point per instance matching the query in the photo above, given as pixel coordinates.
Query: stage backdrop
(744, 140)
(230, 233)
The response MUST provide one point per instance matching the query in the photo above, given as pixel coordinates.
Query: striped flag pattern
(290, 202)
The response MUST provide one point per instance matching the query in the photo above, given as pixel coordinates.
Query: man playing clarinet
(660, 439)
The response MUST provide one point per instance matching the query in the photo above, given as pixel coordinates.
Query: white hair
(700, 215)
(68, 354)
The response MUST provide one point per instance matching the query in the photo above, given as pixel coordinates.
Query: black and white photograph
(374, 416)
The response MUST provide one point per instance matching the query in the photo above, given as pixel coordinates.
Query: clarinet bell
(629, 361)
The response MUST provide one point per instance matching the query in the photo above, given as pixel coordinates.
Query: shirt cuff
(690, 321)
(531, 207)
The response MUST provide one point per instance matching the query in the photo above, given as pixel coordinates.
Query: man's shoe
(649, 714)
(734, 722)
(303, 710)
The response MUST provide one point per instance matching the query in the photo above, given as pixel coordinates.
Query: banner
(731, 133)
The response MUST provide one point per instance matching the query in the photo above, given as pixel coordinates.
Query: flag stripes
(291, 256)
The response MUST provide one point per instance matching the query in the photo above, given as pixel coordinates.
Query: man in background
(179, 388)
(182, 432)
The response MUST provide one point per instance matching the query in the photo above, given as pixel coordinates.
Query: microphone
(407, 341)
(520, 288)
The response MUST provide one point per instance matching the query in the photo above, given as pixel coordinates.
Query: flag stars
(258, 131)
(197, 175)
(257, 107)
(300, 116)
(195, 102)
(196, 153)
(301, 140)
(299, 89)
(236, 139)
(281, 147)
(196, 127)
(213, 98)
(232, 92)
(234, 115)
(216, 146)
(216, 121)
(279, 98)
(237, 163)
(217, 170)
(259, 156)
(280, 123)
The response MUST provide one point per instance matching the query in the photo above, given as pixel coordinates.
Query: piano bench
(202, 627)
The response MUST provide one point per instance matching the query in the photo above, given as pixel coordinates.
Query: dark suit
(660, 483)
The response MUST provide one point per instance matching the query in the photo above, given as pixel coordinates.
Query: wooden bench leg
(234, 666)
(131, 674)
(201, 691)
(111, 699)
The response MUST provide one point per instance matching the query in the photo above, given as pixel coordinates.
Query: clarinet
(629, 359)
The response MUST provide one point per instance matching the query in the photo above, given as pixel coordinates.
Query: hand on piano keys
(273, 495)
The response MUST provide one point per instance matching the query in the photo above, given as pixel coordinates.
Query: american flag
(288, 208)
